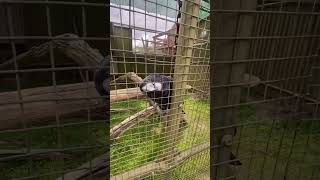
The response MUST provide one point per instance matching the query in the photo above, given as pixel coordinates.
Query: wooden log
(131, 121)
(125, 94)
(122, 110)
(15, 154)
(130, 75)
(76, 49)
(39, 104)
(120, 128)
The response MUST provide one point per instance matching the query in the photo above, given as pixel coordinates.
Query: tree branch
(131, 121)
(75, 49)
(130, 75)
(40, 103)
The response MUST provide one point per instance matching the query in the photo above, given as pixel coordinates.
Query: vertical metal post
(187, 35)
(232, 24)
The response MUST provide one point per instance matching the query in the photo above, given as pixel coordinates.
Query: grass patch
(146, 142)
(280, 149)
(198, 130)
(52, 138)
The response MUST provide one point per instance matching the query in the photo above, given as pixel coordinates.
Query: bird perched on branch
(159, 89)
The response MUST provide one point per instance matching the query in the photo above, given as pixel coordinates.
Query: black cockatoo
(159, 89)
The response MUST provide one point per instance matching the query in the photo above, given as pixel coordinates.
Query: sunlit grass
(145, 142)
(288, 155)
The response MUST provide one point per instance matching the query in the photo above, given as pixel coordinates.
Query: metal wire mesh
(51, 125)
(264, 63)
(150, 37)
(265, 81)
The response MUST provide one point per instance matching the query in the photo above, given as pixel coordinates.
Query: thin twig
(130, 75)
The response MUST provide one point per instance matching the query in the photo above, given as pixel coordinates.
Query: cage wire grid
(144, 144)
(277, 112)
(52, 123)
(265, 96)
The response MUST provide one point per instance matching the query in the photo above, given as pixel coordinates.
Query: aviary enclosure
(169, 38)
(265, 84)
(264, 77)
(52, 124)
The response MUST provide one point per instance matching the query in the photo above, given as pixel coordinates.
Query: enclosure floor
(203, 176)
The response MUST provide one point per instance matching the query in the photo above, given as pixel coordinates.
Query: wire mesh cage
(52, 124)
(264, 81)
(160, 89)
(264, 77)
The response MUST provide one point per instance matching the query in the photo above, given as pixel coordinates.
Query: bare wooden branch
(125, 94)
(34, 153)
(122, 110)
(190, 87)
(130, 75)
(76, 49)
(39, 103)
(131, 121)
(191, 152)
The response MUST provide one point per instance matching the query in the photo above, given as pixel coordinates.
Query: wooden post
(227, 25)
(187, 32)
(315, 80)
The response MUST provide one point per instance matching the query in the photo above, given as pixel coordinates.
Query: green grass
(70, 137)
(145, 142)
(137, 146)
(288, 155)
(198, 130)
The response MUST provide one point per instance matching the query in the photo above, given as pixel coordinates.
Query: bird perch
(69, 44)
(131, 121)
(39, 104)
